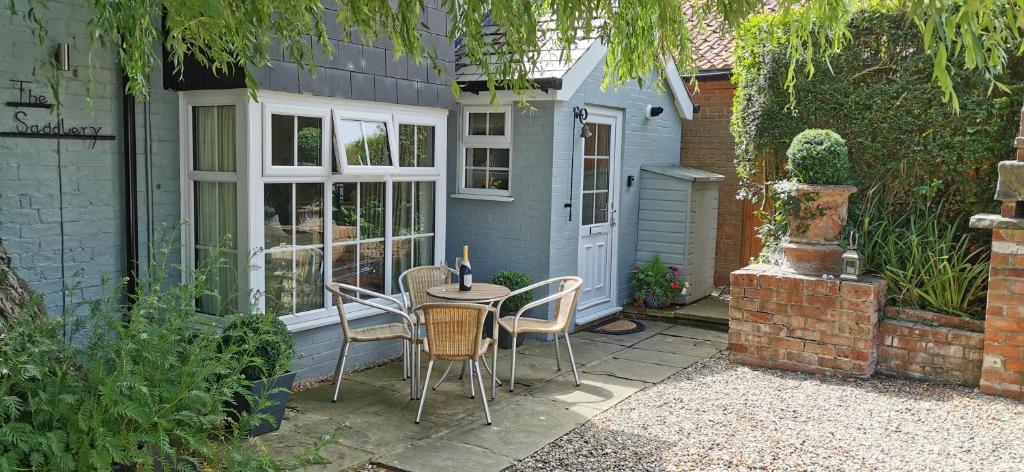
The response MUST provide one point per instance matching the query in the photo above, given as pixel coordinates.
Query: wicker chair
(565, 305)
(455, 333)
(413, 284)
(404, 329)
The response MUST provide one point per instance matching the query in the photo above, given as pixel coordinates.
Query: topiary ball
(309, 144)
(819, 157)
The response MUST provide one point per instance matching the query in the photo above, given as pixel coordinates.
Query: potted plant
(656, 285)
(815, 201)
(264, 349)
(512, 281)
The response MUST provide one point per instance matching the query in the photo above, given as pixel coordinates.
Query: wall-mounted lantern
(63, 56)
(653, 111)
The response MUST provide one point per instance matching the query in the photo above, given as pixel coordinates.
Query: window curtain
(216, 210)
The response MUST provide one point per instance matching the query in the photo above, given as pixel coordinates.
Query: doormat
(617, 326)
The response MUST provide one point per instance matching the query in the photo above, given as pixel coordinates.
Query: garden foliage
(514, 281)
(143, 385)
(878, 93)
(656, 285)
(819, 156)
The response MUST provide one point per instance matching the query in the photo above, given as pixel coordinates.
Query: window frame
(269, 169)
(467, 141)
(339, 114)
(190, 176)
(251, 175)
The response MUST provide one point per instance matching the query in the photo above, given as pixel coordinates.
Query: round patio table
(479, 293)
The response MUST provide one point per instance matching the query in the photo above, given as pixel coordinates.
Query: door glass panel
(588, 143)
(310, 151)
(282, 140)
(601, 174)
(589, 173)
(600, 207)
(588, 209)
(604, 136)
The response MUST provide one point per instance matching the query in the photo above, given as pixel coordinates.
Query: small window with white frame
(364, 142)
(297, 141)
(486, 151)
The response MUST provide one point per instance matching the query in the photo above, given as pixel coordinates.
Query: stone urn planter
(816, 222)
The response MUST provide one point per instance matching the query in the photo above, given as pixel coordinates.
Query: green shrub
(514, 281)
(879, 95)
(143, 385)
(819, 156)
(927, 262)
(264, 340)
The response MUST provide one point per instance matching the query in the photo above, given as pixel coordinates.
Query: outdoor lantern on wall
(63, 57)
(853, 261)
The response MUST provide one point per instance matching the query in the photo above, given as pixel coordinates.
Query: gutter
(713, 74)
(131, 204)
(543, 83)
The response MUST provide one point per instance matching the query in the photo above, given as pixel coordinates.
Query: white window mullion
(388, 233)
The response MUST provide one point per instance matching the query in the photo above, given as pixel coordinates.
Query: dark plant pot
(278, 399)
(654, 299)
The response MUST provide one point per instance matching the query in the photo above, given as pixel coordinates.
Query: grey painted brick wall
(508, 235)
(644, 142)
(30, 190)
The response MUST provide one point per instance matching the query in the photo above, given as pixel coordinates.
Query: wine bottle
(465, 271)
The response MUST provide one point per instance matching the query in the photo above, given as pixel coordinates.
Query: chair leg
(558, 354)
(483, 396)
(472, 389)
(494, 373)
(411, 357)
(419, 412)
(512, 375)
(405, 359)
(340, 370)
(443, 376)
(487, 367)
(337, 367)
(575, 373)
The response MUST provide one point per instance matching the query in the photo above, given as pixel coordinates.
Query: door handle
(611, 217)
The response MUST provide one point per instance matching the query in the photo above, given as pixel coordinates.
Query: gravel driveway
(721, 416)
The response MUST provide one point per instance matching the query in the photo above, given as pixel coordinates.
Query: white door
(597, 230)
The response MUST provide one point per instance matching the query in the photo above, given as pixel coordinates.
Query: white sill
(324, 317)
(493, 198)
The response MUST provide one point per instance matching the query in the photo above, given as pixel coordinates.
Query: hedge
(878, 94)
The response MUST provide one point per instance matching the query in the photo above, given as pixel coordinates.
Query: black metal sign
(52, 129)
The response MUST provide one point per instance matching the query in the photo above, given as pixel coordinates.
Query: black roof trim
(543, 83)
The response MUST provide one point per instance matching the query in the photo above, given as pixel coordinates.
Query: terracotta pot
(815, 227)
(821, 214)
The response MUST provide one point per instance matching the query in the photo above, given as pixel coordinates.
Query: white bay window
(318, 190)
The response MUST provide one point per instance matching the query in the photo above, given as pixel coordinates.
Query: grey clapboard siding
(677, 219)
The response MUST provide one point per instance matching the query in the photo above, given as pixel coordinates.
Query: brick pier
(782, 320)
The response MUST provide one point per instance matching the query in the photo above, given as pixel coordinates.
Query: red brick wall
(1002, 371)
(787, 321)
(922, 344)
(707, 144)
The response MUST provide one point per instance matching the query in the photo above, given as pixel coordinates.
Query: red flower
(675, 285)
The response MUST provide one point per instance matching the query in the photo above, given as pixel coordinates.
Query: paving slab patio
(376, 415)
